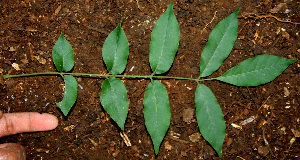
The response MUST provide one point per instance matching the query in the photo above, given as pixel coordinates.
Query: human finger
(12, 123)
(12, 151)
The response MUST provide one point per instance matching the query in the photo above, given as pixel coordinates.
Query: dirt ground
(261, 122)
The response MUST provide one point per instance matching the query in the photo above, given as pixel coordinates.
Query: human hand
(13, 123)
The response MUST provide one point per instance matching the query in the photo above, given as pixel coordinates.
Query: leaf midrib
(241, 74)
(117, 46)
(208, 111)
(116, 101)
(156, 108)
(163, 46)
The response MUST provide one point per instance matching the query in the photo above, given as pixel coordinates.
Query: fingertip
(52, 121)
(44, 122)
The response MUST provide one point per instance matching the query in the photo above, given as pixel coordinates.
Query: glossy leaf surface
(219, 45)
(114, 100)
(70, 94)
(210, 118)
(164, 42)
(62, 55)
(115, 51)
(157, 112)
(256, 71)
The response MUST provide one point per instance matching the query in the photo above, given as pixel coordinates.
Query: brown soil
(29, 30)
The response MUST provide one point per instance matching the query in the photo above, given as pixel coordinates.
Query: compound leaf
(219, 45)
(256, 71)
(62, 55)
(164, 42)
(114, 100)
(157, 112)
(115, 51)
(210, 118)
(70, 94)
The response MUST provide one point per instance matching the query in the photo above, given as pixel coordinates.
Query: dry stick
(265, 101)
(96, 29)
(137, 3)
(176, 139)
(240, 157)
(266, 142)
(267, 16)
(208, 23)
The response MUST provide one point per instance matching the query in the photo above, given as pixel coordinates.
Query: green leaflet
(115, 51)
(256, 71)
(219, 45)
(157, 112)
(210, 118)
(62, 55)
(114, 100)
(63, 59)
(70, 94)
(164, 42)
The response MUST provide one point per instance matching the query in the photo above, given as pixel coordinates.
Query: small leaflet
(157, 112)
(164, 42)
(219, 44)
(62, 55)
(115, 51)
(256, 71)
(210, 118)
(70, 94)
(114, 100)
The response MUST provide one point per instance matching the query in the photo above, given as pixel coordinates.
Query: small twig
(266, 142)
(264, 137)
(137, 3)
(27, 29)
(176, 139)
(265, 101)
(267, 16)
(96, 29)
(208, 23)
(125, 138)
(240, 157)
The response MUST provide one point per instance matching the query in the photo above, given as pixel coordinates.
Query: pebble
(195, 137)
